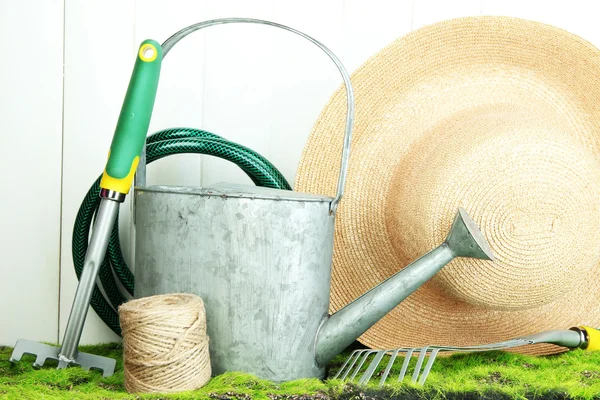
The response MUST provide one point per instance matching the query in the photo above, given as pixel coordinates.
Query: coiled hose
(161, 144)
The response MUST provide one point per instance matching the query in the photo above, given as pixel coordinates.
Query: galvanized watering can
(261, 260)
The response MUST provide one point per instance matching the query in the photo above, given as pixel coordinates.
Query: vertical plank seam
(62, 164)
(131, 219)
(412, 15)
(271, 95)
(134, 28)
(203, 100)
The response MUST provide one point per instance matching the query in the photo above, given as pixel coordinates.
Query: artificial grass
(490, 375)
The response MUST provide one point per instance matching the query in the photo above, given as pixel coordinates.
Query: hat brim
(411, 98)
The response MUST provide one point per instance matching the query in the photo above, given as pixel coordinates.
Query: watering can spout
(346, 325)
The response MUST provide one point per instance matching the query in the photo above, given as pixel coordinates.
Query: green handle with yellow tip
(132, 126)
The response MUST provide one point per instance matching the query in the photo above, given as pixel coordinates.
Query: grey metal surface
(234, 190)
(466, 240)
(89, 361)
(262, 267)
(343, 327)
(568, 338)
(44, 352)
(101, 231)
(113, 195)
(139, 179)
(583, 337)
(174, 39)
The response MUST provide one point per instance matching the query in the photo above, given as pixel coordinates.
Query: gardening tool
(582, 337)
(127, 142)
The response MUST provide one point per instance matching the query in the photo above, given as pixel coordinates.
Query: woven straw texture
(165, 344)
(494, 114)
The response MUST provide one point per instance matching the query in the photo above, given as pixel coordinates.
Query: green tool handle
(134, 119)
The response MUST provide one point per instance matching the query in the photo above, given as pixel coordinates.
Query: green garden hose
(161, 144)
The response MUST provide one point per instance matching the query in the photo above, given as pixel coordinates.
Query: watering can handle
(170, 42)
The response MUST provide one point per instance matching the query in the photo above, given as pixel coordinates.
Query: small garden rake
(577, 337)
(128, 141)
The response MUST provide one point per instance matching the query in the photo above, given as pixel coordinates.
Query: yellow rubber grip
(121, 185)
(593, 336)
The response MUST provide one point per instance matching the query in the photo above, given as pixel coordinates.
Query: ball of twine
(165, 344)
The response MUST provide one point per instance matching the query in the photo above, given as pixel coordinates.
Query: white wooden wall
(255, 85)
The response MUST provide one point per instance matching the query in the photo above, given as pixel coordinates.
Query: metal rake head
(357, 364)
(44, 352)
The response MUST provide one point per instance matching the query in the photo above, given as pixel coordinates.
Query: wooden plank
(30, 158)
(427, 12)
(370, 26)
(238, 83)
(179, 98)
(304, 77)
(576, 16)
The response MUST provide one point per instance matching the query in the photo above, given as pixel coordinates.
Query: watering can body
(260, 259)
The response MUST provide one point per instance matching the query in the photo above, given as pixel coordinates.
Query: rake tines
(355, 364)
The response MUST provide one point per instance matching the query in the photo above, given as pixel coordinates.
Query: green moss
(490, 375)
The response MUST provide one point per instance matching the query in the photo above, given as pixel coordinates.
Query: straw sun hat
(497, 115)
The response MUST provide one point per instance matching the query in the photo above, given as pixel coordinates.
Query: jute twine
(165, 344)
(497, 115)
